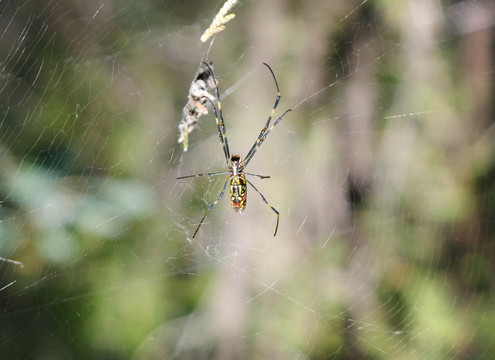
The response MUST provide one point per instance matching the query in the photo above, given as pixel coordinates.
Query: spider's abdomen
(238, 192)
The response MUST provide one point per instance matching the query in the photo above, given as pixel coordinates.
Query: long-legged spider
(236, 166)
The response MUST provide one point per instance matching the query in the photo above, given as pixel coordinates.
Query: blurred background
(383, 175)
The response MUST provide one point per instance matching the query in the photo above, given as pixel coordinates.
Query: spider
(236, 165)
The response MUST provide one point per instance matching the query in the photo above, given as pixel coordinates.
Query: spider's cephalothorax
(238, 184)
(238, 181)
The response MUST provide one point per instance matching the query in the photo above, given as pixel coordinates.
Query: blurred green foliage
(383, 175)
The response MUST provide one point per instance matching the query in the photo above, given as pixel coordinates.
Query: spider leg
(262, 138)
(264, 132)
(211, 206)
(266, 202)
(222, 132)
(260, 176)
(205, 174)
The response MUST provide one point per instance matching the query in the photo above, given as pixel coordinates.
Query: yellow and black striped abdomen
(238, 192)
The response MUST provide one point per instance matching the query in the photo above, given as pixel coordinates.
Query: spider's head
(236, 166)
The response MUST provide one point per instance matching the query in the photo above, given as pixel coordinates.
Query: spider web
(382, 174)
